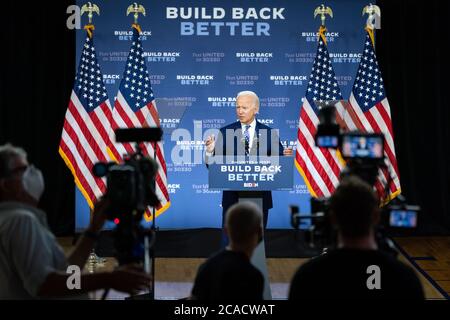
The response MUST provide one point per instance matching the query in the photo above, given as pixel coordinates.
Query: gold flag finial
(136, 9)
(374, 13)
(90, 8)
(323, 11)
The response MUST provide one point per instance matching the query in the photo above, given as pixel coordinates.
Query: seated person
(228, 275)
(349, 271)
(32, 264)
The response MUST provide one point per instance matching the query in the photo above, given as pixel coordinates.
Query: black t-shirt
(344, 273)
(228, 275)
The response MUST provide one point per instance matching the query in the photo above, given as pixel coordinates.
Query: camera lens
(100, 169)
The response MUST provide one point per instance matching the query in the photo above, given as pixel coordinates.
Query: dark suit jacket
(262, 146)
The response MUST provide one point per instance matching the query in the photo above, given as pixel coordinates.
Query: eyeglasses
(19, 169)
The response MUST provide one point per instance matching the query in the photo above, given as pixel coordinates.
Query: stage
(428, 256)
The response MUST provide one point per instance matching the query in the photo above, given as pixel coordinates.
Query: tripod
(132, 242)
(149, 250)
(149, 261)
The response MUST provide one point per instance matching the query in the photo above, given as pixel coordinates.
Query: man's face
(246, 109)
(11, 187)
(362, 142)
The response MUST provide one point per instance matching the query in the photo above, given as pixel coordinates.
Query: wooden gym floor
(428, 256)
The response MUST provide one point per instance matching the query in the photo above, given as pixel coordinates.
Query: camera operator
(32, 264)
(344, 271)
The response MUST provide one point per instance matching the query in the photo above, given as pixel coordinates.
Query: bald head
(243, 221)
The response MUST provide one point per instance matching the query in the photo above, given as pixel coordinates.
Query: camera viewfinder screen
(327, 141)
(362, 146)
(403, 219)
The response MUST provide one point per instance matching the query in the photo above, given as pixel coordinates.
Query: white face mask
(33, 182)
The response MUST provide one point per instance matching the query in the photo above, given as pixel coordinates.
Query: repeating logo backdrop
(199, 55)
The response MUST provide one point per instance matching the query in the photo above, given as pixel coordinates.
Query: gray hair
(8, 153)
(249, 93)
(243, 220)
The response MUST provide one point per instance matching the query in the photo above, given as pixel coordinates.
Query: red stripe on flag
(83, 155)
(121, 112)
(309, 124)
(388, 176)
(154, 113)
(162, 187)
(380, 189)
(387, 148)
(139, 115)
(160, 156)
(112, 125)
(386, 118)
(326, 153)
(341, 121)
(308, 175)
(158, 178)
(123, 115)
(372, 122)
(355, 118)
(78, 174)
(317, 164)
(101, 125)
(86, 132)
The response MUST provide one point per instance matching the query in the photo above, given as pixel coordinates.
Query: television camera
(131, 191)
(364, 156)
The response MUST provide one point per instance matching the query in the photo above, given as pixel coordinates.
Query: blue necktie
(247, 139)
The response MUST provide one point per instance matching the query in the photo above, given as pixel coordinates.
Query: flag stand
(153, 232)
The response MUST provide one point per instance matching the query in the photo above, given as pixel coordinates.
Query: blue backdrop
(199, 55)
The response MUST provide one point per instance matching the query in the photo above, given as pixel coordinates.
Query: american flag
(134, 108)
(319, 167)
(369, 111)
(86, 132)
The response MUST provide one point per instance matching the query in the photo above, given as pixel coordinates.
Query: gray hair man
(32, 264)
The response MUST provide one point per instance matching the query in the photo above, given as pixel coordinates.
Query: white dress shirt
(251, 132)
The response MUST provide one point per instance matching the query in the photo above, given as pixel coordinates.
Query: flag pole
(93, 260)
(149, 253)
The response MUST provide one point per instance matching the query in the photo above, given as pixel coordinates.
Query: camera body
(131, 184)
(320, 233)
(363, 152)
(364, 156)
(402, 218)
(399, 216)
(131, 191)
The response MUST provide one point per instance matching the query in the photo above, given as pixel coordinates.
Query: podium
(248, 177)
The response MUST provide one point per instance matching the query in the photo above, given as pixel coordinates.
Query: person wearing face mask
(32, 264)
(229, 275)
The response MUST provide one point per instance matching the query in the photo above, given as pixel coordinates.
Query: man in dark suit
(245, 137)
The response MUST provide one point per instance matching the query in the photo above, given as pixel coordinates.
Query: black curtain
(37, 73)
(412, 50)
(38, 70)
